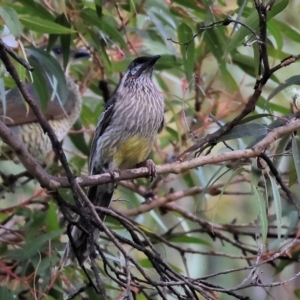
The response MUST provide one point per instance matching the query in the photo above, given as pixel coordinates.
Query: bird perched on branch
(23, 122)
(123, 139)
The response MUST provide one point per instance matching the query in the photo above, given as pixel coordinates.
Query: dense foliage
(221, 219)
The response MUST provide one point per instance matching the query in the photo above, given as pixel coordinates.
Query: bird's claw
(149, 164)
(112, 172)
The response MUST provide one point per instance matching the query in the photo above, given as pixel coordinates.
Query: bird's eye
(57, 50)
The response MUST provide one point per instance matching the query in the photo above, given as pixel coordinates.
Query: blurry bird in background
(22, 121)
(123, 139)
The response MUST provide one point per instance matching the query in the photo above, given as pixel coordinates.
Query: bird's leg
(112, 175)
(151, 167)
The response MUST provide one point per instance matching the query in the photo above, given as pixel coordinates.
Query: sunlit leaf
(261, 207)
(277, 202)
(185, 34)
(296, 155)
(44, 26)
(282, 29)
(276, 31)
(11, 19)
(252, 21)
(52, 221)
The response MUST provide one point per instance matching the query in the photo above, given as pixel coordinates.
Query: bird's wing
(161, 126)
(103, 123)
(18, 113)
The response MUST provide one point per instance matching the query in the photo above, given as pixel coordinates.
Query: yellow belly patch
(133, 151)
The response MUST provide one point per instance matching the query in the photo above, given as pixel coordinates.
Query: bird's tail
(100, 195)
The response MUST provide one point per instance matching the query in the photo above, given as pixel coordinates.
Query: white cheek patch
(134, 70)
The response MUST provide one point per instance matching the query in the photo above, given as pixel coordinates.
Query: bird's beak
(148, 65)
(153, 60)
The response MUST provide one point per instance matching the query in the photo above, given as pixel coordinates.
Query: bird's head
(141, 67)
(75, 55)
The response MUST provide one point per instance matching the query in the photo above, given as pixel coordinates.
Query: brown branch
(25, 157)
(18, 58)
(53, 183)
(259, 85)
(179, 167)
(213, 25)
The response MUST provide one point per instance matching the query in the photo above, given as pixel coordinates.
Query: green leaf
(216, 42)
(34, 245)
(98, 6)
(244, 131)
(90, 17)
(274, 124)
(255, 117)
(65, 39)
(271, 106)
(78, 139)
(292, 173)
(175, 135)
(32, 8)
(296, 155)
(146, 263)
(48, 297)
(106, 24)
(187, 4)
(43, 266)
(184, 239)
(277, 202)
(261, 206)
(3, 95)
(255, 173)
(245, 62)
(285, 30)
(44, 26)
(252, 21)
(55, 75)
(39, 84)
(297, 293)
(7, 294)
(281, 148)
(52, 223)
(290, 81)
(185, 34)
(161, 29)
(109, 27)
(11, 19)
(276, 31)
(235, 173)
(168, 62)
(228, 79)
